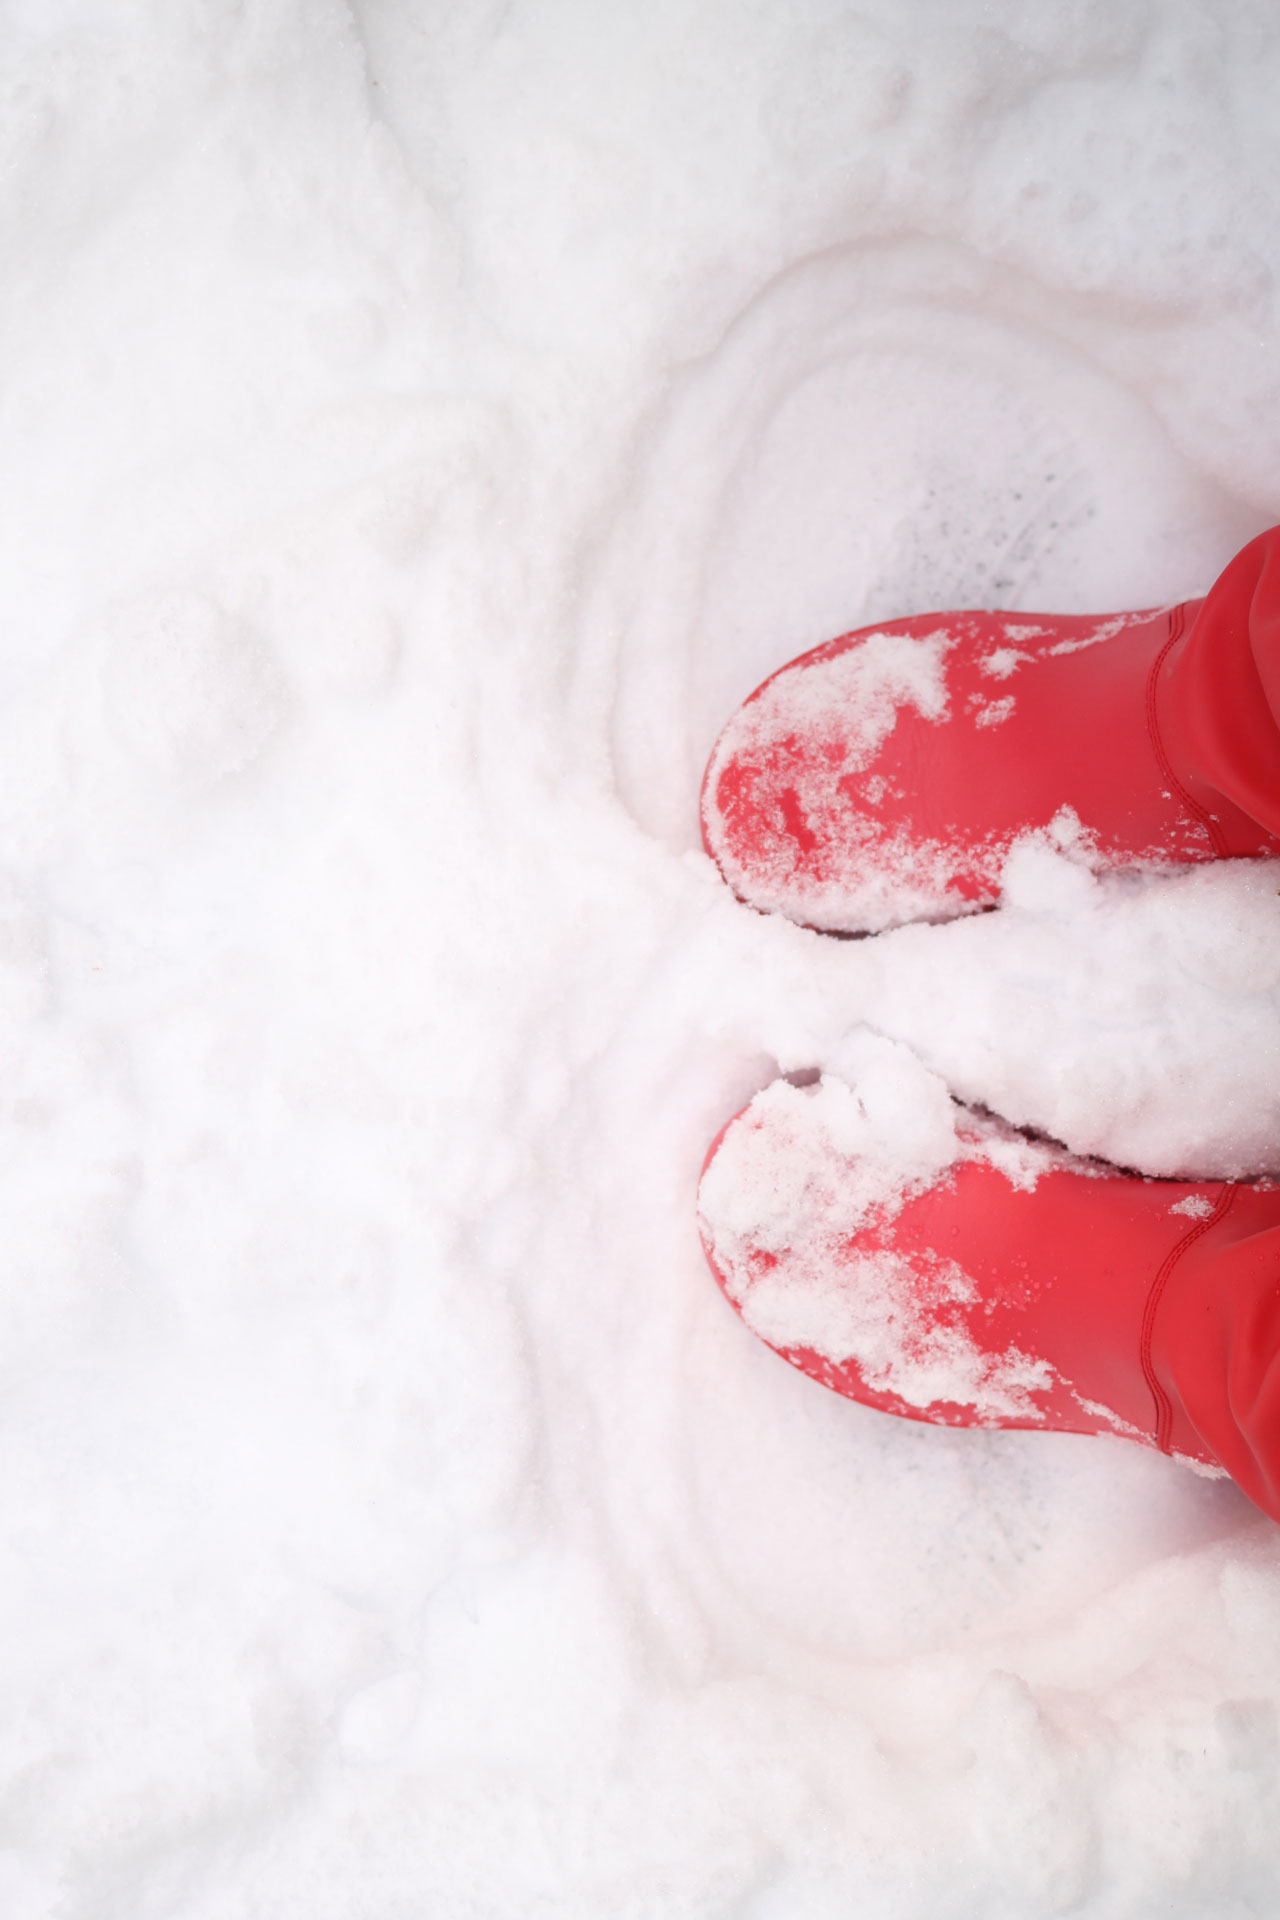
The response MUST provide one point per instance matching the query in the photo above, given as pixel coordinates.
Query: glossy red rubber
(1160, 732)
(1153, 1305)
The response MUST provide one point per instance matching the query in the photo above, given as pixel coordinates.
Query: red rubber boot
(885, 776)
(1012, 1287)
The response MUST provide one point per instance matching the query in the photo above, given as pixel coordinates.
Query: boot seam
(1177, 621)
(1163, 1402)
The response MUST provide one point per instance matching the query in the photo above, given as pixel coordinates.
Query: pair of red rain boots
(966, 1277)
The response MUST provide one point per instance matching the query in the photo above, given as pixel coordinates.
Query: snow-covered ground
(421, 425)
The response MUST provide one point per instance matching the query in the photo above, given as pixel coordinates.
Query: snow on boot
(884, 776)
(983, 1281)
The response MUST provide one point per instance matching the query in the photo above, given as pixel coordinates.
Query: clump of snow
(991, 713)
(890, 1316)
(1051, 870)
(1104, 631)
(1000, 662)
(850, 701)
(836, 1151)
(1139, 1017)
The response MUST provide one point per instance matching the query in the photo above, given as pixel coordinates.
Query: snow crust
(421, 427)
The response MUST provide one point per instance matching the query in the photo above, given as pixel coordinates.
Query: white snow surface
(421, 426)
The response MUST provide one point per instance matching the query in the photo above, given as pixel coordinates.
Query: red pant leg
(1215, 1342)
(1216, 717)
(1215, 710)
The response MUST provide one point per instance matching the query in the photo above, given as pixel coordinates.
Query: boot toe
(979, 1280)
(810, 798)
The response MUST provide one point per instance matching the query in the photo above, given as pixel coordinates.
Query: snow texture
(422, 426)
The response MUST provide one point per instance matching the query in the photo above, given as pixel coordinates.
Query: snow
(421, 428)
